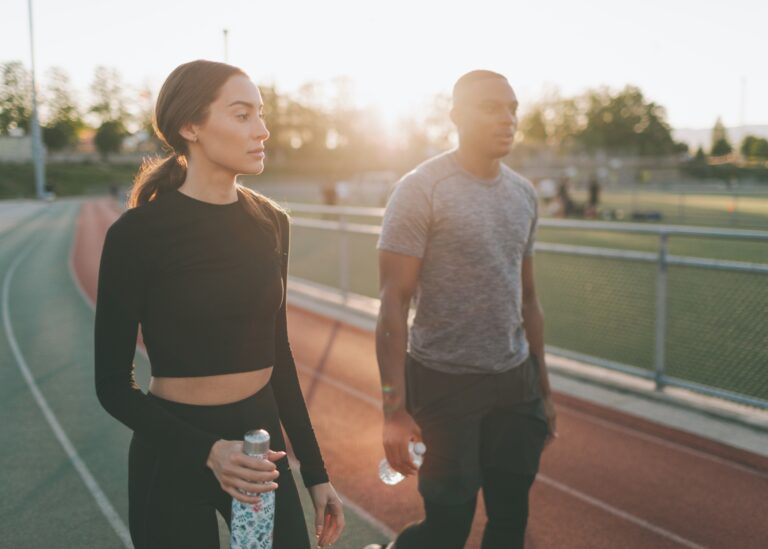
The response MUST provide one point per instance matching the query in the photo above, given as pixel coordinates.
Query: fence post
(661, 312)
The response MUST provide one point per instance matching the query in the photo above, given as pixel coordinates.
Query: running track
(610, 481)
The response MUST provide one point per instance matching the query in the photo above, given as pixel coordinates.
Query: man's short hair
(461, 85)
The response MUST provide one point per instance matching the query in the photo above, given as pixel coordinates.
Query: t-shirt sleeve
(118, 305)
(285, 384)
(534, 225)
(407, 218)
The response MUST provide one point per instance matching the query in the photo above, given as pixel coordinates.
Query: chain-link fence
(696, 319)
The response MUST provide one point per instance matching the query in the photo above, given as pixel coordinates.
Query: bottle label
(252, 523)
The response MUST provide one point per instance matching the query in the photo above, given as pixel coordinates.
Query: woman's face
(233, 135)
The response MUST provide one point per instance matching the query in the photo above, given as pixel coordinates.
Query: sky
(700, 60)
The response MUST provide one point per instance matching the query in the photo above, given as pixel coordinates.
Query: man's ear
(455, 116)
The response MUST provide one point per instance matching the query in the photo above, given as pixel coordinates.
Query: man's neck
(478, 165)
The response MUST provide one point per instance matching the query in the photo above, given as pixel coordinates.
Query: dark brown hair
(185, 98)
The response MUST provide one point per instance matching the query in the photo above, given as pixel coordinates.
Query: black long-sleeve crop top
(207, 287)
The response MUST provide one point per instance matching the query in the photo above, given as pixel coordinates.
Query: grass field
(738, 209)
(716, 334)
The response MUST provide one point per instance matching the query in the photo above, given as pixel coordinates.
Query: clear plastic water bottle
(390, 476)
(253, 523)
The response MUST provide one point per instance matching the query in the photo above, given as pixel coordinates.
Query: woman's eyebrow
(244, 103)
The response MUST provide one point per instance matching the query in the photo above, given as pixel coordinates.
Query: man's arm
(398, 276)
(533, 321)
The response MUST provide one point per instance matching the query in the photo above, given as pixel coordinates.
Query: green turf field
(739, 209)
(716, 334)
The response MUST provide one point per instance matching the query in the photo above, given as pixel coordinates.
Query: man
(458, 236)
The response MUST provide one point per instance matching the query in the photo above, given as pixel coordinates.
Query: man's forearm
(533, 321)
(391, 344)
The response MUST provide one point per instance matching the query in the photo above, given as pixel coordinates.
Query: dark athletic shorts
(473, 421)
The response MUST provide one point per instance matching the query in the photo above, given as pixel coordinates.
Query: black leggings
(447, 526)
(172, 504)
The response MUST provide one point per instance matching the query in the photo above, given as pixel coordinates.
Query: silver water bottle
(252, 524)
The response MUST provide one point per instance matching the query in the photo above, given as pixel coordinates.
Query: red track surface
(610, 481)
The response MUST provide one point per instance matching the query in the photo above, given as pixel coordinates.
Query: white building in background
(17, 148)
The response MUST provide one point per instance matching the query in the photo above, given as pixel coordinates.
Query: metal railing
(749, 310)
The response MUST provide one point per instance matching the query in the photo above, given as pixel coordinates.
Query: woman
(200, 263)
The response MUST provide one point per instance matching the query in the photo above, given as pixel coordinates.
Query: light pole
(37, 144)
(226, 45)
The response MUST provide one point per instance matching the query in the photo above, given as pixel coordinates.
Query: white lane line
(90, 482)
(558, 485)
(367, 517)
(368, 399)
(618, 512)
(660, 441)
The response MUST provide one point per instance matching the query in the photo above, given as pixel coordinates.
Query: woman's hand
(329, 514)
(236, 471)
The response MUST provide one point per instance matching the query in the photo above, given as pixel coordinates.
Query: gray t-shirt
(471, 235)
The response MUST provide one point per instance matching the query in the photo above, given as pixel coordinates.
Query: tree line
(319, 125)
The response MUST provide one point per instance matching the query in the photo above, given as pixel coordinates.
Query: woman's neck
(209, 183)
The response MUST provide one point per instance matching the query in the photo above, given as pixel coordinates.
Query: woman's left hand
(329, 514)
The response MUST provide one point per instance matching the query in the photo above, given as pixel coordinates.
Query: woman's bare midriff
(210, 390)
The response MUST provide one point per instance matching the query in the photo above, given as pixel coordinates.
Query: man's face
(485, 114)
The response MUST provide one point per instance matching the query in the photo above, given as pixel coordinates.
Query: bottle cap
(419, 448)
(256, 442)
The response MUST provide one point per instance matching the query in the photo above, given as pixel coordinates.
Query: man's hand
(551, 414)
(399, 429)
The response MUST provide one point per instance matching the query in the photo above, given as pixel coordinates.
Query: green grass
(711, 210)
(71, 179)
(716, 334)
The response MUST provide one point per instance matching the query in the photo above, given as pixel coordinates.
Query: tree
(746, 145)
(64, 120)
(754, 147)
(15, 98)
(721, 148)
(533, 126)
(274, 114)
(109, 137)
(759, 149)
(109, 104)
(625, 123)
(144, 120)
(720, 144)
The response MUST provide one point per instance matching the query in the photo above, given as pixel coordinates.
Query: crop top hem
(156, 372)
